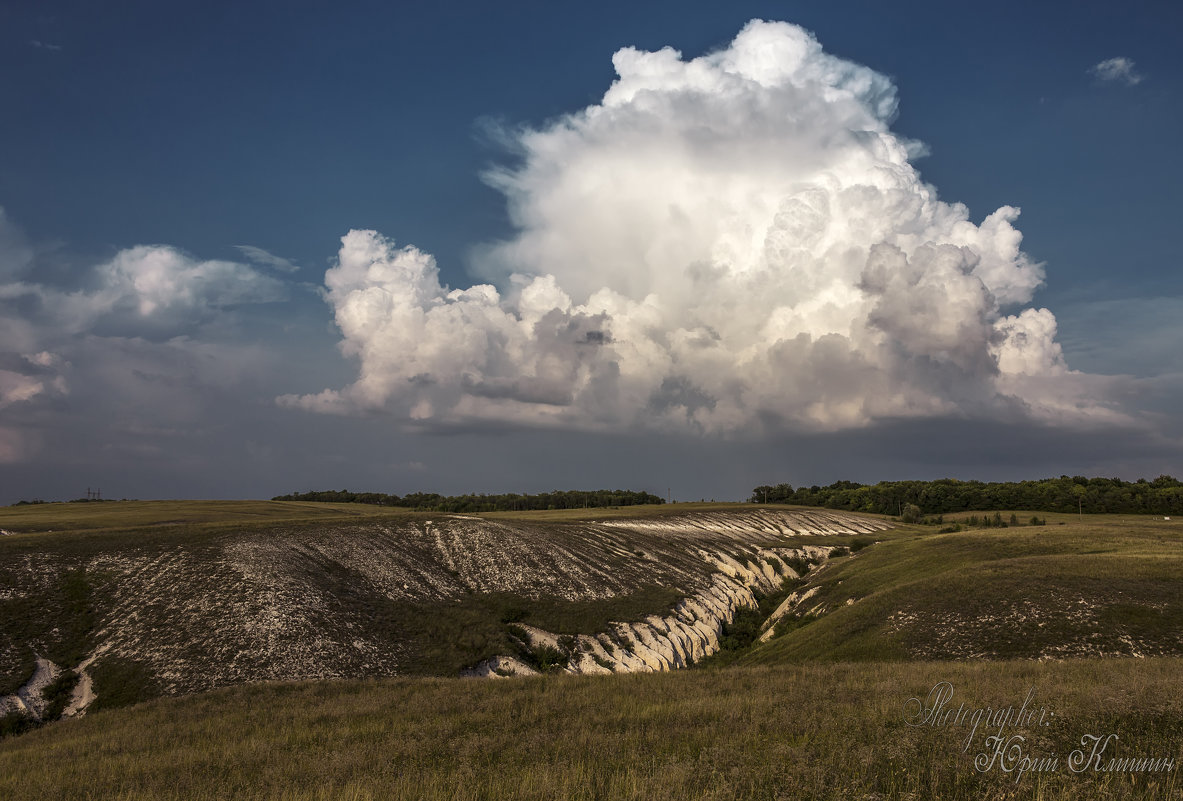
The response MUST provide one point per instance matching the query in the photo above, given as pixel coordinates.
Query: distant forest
(509, 502)
(1163, 495)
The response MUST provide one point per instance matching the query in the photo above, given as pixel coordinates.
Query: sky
(256, 248)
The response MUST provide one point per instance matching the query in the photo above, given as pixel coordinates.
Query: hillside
(848, 618)
(1107, 586)
(147, 598)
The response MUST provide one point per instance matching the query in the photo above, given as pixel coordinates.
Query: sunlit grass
(1029, 591)
(787, 732)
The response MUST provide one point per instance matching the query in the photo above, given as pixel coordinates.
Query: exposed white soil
(787, 606)
(659, 643)
(83, 695)
(267, 604)
(28, 699)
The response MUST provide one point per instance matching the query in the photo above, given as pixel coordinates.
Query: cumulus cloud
(151, 290)
(1117, 70)
(57, 343)
(731, 242)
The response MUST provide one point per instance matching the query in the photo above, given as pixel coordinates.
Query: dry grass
(1110, 586)
(805, 732)
(92, 516)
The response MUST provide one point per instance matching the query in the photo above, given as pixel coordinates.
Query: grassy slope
(69, 564)
(788, 732)
(776, 730)
(83, 516)
(1112, 585)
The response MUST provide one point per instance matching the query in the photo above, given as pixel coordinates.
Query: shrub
(58, 694)
(790, 622)
(800, 566)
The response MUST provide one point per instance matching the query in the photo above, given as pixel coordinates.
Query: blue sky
(200, 128)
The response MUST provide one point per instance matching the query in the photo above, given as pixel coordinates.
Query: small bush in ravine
(543, 658)
(547, 659)
(841, 550)
(791, 622)
(567, 644)
(602, 662)
(774, 563)
(742, 631)
(58, 693)
(858, 543)
(800, 566)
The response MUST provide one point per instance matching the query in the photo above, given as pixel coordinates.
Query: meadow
(784, 732)
(1080, 619)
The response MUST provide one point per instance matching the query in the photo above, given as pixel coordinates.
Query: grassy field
(785, 732)
(120, 515)
(816, 712)
(1110, 586)
(616, 512)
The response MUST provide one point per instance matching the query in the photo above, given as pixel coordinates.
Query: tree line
(506, 502)
(1163, 495)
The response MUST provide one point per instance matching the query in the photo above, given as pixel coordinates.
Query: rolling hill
(269, 650)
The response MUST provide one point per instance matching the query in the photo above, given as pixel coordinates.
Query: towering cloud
(730, 242)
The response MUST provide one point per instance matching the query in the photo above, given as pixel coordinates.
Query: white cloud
(260, 256)
(159, 279)
(729, 242)
(1117, 70)
(57, 344)
(147, 288)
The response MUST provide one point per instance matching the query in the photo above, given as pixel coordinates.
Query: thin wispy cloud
(260, 256)
(1117, 70)
(45, 45)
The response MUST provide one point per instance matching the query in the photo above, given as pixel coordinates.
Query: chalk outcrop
(29, 699)
(319, 601)
(690, 632)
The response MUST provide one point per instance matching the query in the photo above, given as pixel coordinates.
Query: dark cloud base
(275, 452)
